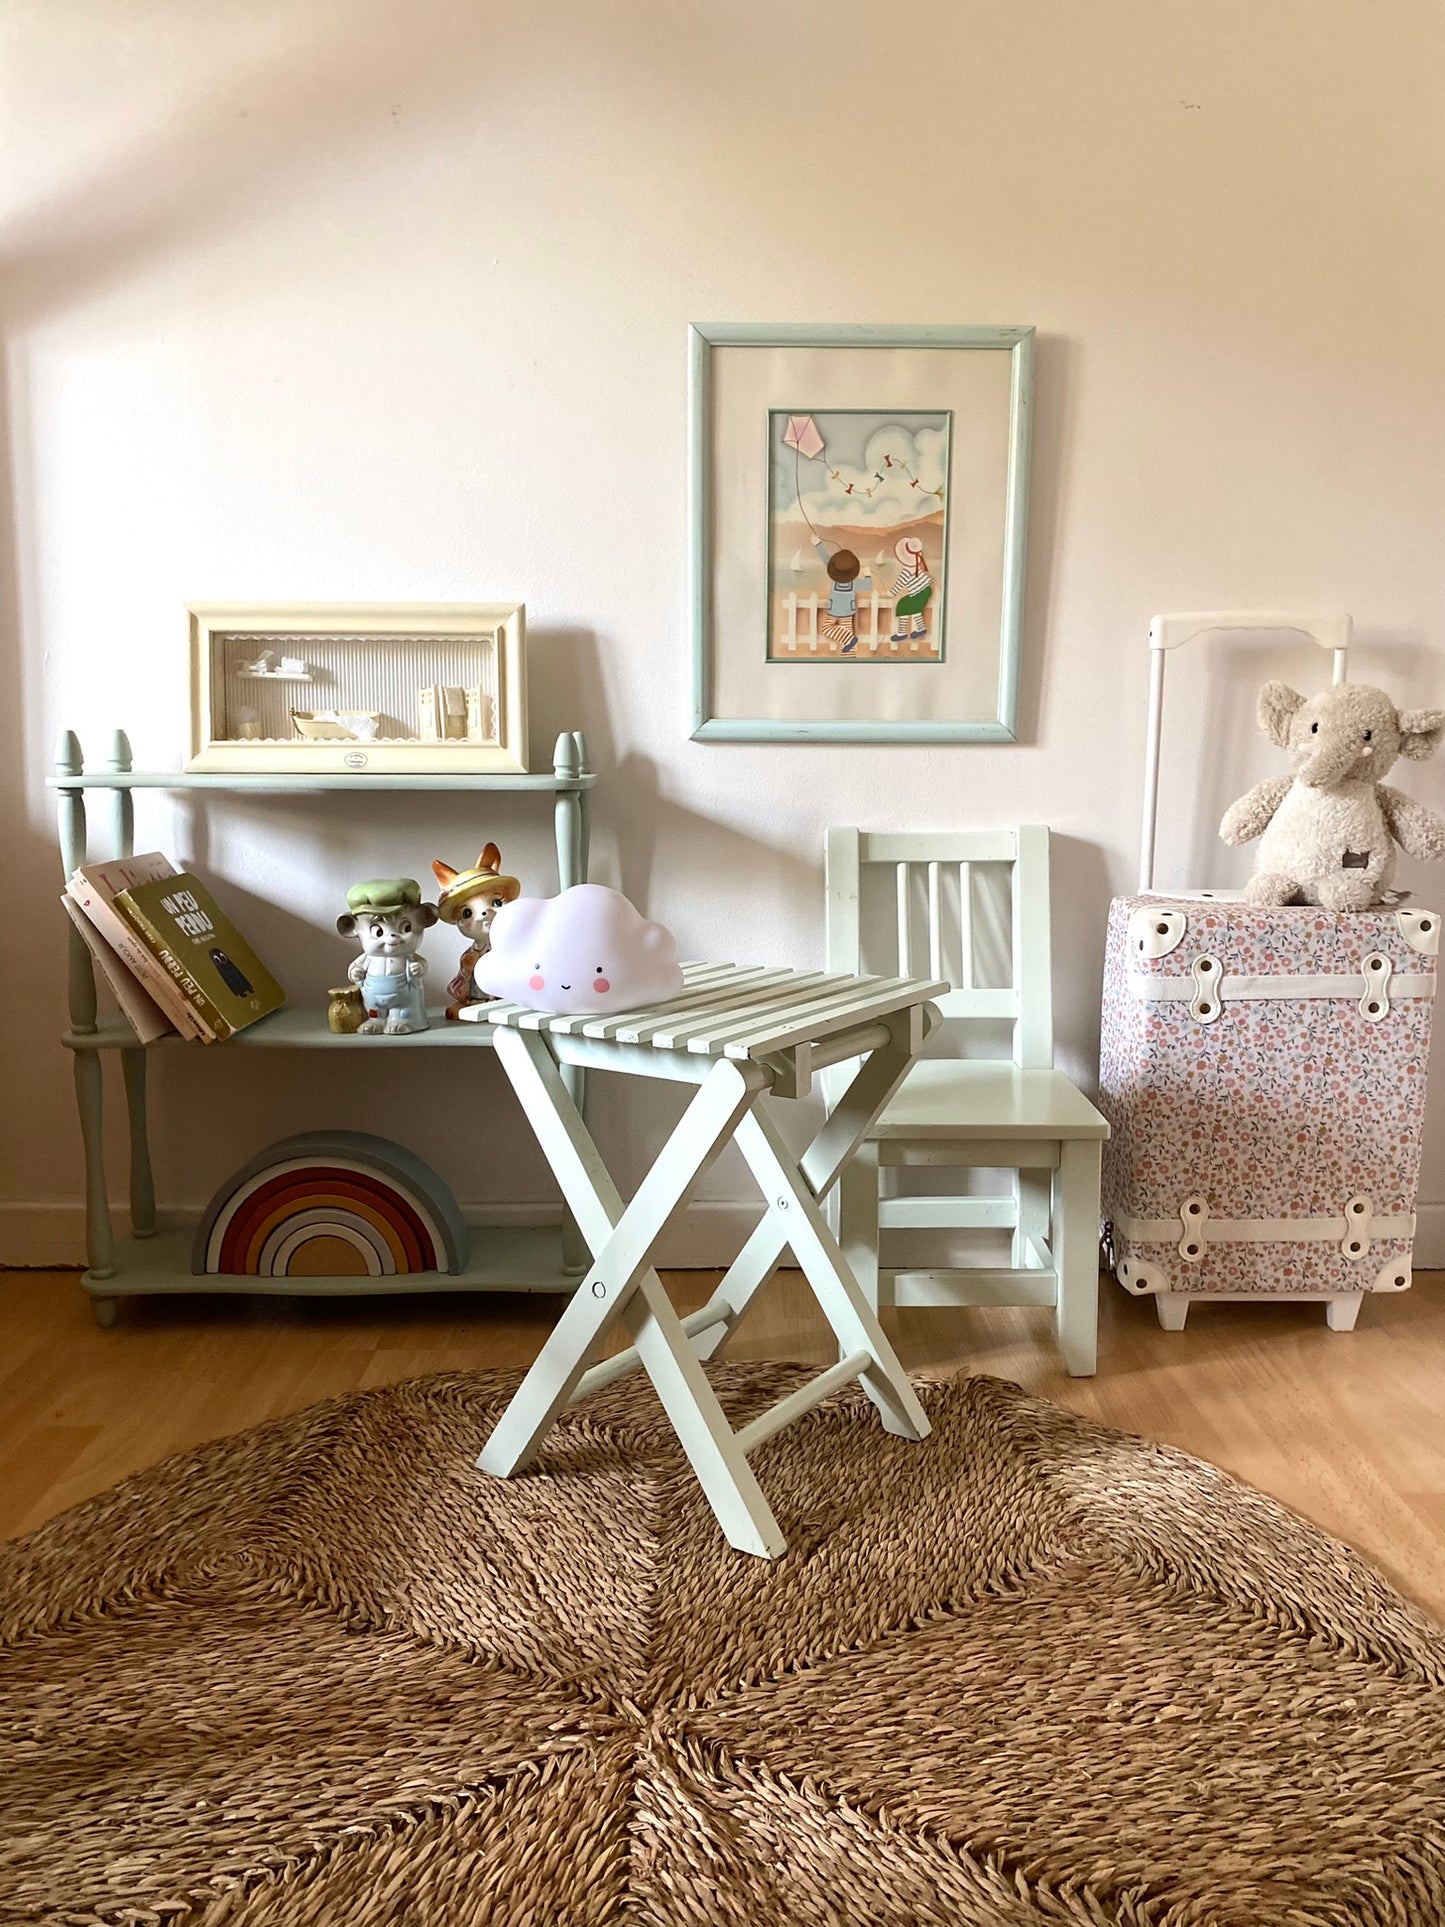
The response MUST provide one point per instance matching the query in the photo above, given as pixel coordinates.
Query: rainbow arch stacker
(331, 1204)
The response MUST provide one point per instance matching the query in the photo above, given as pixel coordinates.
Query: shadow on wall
(1079, 900)
(256, 135)
(634, 819)
(1055, 403)
(31, 865)
(1214, 750)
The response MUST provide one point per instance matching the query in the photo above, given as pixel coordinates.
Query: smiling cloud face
(586, 950)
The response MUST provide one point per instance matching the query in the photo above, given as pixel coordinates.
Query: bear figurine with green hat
(388, 918)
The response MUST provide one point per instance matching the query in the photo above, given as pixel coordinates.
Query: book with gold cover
(93, 889)
(222, 980)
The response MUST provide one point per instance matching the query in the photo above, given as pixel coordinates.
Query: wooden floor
(1348, 1428)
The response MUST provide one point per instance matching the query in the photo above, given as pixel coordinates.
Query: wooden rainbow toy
(331, 1204)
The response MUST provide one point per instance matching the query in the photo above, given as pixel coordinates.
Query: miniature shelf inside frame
(361, 689)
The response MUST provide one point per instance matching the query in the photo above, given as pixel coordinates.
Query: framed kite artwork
(859, 506)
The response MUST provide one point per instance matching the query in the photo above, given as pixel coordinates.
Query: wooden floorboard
(1345, 1427)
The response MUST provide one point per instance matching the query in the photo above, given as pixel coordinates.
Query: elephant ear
(1278, 704)
(1420, 732)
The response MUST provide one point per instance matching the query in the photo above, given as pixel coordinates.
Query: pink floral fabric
(1283, 1108)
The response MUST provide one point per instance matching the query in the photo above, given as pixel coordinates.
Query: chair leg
(1075, 1245)
(858, 1218)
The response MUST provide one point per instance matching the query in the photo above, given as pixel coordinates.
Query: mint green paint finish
(245, 783)
(500, 1258)
(303, 1027)
(703, 337)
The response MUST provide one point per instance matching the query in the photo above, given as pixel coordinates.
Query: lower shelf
(500, 1259)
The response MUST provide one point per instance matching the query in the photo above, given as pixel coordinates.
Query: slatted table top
(734, 1010)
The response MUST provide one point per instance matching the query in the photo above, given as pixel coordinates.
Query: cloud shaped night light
(588, 949)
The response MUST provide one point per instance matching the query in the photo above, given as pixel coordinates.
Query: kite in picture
(801, 435)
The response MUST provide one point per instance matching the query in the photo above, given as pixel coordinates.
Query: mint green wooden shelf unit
(546, 1258)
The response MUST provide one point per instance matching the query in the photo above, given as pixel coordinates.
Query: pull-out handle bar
(1168, 632)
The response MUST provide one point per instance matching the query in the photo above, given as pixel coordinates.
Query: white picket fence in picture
(805, 616)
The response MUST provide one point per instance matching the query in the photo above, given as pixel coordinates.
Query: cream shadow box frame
(385, 689)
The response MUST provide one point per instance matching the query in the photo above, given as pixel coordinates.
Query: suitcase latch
(1193, 1216)
(1377, 970)
(1358, 1213)
(1208, 979)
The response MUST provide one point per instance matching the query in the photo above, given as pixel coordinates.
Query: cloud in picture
(898, 475)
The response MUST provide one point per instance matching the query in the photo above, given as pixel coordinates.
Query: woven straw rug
(1031, 1671)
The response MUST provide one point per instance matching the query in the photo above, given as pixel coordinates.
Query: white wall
(370, 301)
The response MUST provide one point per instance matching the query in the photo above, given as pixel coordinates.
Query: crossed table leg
(622, 1285)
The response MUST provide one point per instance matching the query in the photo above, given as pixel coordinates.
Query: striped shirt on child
(911, 581)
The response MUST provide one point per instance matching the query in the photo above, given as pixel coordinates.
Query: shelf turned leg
(89, 1097)
(86, 1065)
(567, 765)
(142, 1185)
(122, 801)
(73, 839)
(584, 809)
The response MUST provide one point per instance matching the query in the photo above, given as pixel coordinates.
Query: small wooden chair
(953, 1112)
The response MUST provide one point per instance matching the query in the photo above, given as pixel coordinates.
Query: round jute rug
(1030, 1671)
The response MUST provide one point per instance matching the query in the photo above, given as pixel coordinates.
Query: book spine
(216, 1024)
(129, 948)
(137, 1006)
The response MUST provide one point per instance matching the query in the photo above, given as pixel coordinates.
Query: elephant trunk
(1332, 763)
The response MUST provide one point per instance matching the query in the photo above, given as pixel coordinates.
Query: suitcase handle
(1168, 632)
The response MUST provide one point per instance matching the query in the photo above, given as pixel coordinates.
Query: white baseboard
(707, 1235)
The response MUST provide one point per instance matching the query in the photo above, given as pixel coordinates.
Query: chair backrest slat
(965, 922)
(1032, 967)
(923, 869)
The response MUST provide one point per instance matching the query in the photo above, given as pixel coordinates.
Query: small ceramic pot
(346, 1013)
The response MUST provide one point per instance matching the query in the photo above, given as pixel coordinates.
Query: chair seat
(985, 1098)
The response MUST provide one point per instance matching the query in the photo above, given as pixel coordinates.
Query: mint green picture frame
(1018, 344)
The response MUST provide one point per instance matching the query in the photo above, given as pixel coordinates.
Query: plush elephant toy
(1328, 833)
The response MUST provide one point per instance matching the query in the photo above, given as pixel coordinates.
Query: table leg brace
(622, 1285)
(621, 1239)
(800, 1222)
(849, 1122)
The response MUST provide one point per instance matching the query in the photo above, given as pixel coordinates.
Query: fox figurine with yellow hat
(470, 899)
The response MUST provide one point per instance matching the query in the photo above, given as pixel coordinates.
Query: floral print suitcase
(1263, 1074)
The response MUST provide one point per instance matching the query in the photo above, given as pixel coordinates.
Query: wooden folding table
(740, 1035)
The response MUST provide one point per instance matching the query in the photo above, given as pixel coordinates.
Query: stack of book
(173, 959)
